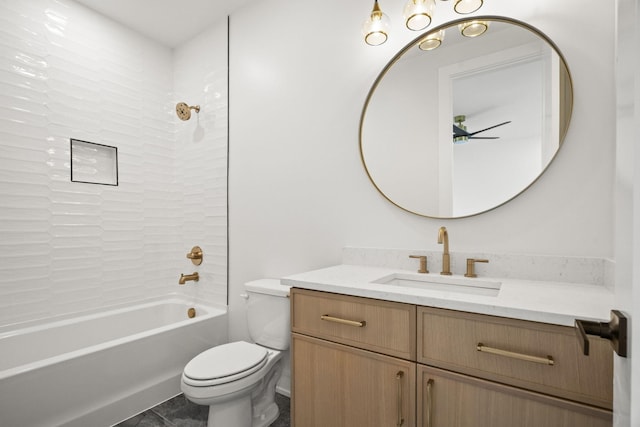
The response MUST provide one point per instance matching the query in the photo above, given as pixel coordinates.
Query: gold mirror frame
(566, 95)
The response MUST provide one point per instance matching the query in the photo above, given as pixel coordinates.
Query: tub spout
(184, 278)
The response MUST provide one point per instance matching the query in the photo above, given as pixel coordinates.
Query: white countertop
(549, 302)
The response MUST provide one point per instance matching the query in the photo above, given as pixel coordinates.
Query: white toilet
(238, 380)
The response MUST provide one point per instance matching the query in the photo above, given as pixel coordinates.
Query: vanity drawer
(381, 326)
(535, 356)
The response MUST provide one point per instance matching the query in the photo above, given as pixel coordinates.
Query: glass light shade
(432, 41)
(473, 28)
(467, 6)
(460, 139)
(376, 27)
(418, 13)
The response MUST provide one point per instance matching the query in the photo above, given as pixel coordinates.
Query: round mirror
(468, 125)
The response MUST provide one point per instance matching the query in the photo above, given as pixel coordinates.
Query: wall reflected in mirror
(461, 129)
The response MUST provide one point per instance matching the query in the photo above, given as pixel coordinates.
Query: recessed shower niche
(94, 163)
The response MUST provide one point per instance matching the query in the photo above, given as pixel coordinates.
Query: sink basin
(442, 283)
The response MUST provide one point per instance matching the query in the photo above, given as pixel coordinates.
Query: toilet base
(258, 409)
(251, 406)
(239, 413)
(232, 413)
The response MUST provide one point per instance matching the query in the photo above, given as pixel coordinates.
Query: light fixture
(467, 6)
(376, 27)
(473, 28)
(460, 138)
(432, 41)
(417, 14)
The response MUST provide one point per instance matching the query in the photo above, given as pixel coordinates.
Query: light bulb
(376, 27)
(467, 6)
(418, 13)
(432, 41)
(473, 28)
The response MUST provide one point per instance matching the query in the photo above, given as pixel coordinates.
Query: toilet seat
(225, 363)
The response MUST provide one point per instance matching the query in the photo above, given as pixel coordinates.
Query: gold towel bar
(543, 360)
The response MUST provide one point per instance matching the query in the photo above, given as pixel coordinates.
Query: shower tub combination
(99, 368)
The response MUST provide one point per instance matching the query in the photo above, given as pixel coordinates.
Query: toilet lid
(227, 362)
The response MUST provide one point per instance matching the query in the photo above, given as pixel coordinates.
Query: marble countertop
(557, 303)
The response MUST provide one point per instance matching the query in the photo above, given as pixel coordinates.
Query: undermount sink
(442, 283)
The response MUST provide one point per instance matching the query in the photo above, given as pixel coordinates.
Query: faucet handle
(471, 262)
(423, 263)
(195, 255)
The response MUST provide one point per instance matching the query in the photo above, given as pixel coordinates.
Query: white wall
(200, 78)
(298, 191)
(407, 137)
(67, 72)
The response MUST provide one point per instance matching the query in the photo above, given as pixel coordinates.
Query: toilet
(238, 380)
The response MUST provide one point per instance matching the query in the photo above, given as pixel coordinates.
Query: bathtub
(99, 368)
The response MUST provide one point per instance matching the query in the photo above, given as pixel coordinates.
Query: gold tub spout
(184, 278)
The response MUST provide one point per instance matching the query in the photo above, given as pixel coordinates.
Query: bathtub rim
(212, 311)
(23, 324)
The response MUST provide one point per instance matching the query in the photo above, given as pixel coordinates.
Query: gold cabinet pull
(429, 402)
(535, 359)
(343, 321)
(399, 376)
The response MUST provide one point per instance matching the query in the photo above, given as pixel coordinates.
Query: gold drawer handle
(343, 321)
(429, 401)
(543, 360)
(399, 376)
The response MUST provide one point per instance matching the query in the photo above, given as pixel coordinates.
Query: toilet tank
(269, 313)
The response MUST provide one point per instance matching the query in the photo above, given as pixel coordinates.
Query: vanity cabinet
(366, 362)
(352, 362)
(530, 355)
(341, 386)
(449, 399)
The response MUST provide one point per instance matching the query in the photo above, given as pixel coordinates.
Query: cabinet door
(531, 355)
(339, 386)
(447, 399)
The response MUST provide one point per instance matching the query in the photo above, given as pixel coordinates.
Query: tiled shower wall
(67, 72)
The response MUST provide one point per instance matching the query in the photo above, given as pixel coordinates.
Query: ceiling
(170, 22)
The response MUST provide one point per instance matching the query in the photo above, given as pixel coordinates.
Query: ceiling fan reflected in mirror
(461, 135)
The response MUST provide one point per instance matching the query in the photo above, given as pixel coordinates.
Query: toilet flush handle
(245, 296)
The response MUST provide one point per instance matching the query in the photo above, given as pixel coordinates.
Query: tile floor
(179, 412)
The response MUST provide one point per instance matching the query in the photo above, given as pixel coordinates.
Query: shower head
(184, 111)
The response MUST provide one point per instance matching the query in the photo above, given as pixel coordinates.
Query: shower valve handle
(195, 255)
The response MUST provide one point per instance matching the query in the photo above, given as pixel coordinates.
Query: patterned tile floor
(179, 412)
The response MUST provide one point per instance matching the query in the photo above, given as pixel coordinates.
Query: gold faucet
(184, 278)
(443, 237)
(423, 263)
(471, 262)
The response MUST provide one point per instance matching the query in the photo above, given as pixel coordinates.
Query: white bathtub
(100, 368)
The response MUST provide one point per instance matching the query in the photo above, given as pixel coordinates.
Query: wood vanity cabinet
(502, 372)
(341, 386)
(449, 399)
(352, 361)
(534, 356)
(365, 362)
